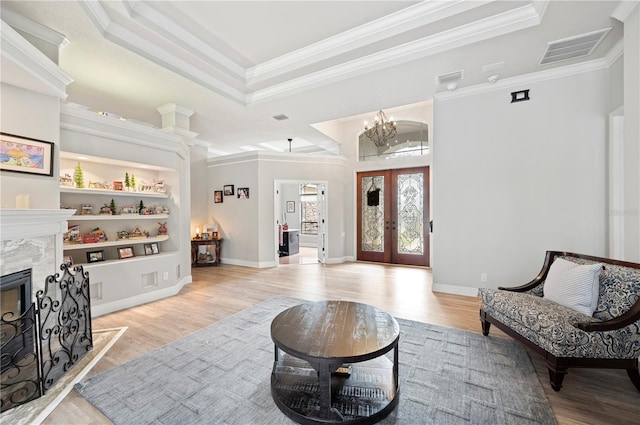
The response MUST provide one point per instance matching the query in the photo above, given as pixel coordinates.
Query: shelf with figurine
(109, 211)
(128, 186)
(68, 246)
(75, 239)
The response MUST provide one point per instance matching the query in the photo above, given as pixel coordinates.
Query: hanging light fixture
(381, 130)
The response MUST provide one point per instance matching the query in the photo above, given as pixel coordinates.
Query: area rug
(221, 375)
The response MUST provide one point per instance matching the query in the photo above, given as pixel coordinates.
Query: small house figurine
(86, 209)
(123, 234)
(105, 210)
(136, 233)
(162, 231)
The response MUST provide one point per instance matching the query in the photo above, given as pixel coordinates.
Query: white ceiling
(236, 64)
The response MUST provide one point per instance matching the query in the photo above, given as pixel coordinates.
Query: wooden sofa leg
(634, 375)
(556, 377)
(486, 325)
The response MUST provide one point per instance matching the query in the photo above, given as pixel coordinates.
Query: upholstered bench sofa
(556, 323)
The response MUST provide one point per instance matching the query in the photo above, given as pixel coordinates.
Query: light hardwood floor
(588, 396)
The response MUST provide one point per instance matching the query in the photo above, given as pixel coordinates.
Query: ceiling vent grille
(280, 117)
(573, 47)
(450, 77)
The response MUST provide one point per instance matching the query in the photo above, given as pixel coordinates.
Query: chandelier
(382, 129)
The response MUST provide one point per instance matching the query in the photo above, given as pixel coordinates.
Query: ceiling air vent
(450, 77)
(573, 47)
(280, 117)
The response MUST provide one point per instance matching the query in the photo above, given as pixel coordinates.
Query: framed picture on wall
(26, 155)
(228, 189)
(243, 193)
(291, 206)
(217, 197)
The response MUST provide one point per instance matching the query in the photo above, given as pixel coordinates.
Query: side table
(210, 256)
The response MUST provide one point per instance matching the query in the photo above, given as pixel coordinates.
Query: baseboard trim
(455, 289)
(110, 307)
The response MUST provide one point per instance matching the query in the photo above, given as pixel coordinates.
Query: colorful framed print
(25, 155)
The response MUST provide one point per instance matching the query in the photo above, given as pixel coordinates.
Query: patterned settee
(564, 337)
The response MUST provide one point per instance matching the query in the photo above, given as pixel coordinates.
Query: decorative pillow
(573, 285)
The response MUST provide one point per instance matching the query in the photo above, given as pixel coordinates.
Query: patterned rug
(221, 375)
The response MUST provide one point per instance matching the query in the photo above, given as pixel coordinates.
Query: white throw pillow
(573, 285)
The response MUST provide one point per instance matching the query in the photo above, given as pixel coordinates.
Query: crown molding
(535, 77)
(84, 121)
(32, 69)
(423, 13)
(402, 21)
(132, 41)
(254, 156)
(501, 24)
(623, 9)
(35, 29)
(149, 17)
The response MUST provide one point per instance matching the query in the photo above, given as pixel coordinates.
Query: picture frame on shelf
(26, 155)
(243, 193)
(205, 236)
(95, 256)
(228, 189)
(215, 235)
(67, 259)
(217, 197)
(291, 206)
(151, 248)
(125, 252)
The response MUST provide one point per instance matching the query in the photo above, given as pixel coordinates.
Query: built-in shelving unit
(118, 242)
(106, 150)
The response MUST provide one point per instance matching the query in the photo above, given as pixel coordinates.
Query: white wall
(632, 135)
(512, 180)
(30, 114)
(201, 195)
(249, 226)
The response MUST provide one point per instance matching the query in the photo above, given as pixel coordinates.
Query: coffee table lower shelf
(366, 396)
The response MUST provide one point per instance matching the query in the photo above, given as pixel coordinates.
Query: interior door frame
(322, 215)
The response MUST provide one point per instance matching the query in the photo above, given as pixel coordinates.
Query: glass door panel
(392, 216)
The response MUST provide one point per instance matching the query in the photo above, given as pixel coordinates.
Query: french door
(393, 216)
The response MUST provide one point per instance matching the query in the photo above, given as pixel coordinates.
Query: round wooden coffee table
(330, 364)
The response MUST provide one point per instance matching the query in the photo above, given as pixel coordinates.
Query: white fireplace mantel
(31, 223)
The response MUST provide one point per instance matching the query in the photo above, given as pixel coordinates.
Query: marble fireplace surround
(32, 239)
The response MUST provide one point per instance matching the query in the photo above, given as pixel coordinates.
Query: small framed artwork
(205, 235)
(215, 235)
(228, 189)
(291, 206)
(95, 256)
(125, 252)
(151, 248)
(26, 155)
(217, 197)
(243, 193)
(67, 259)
